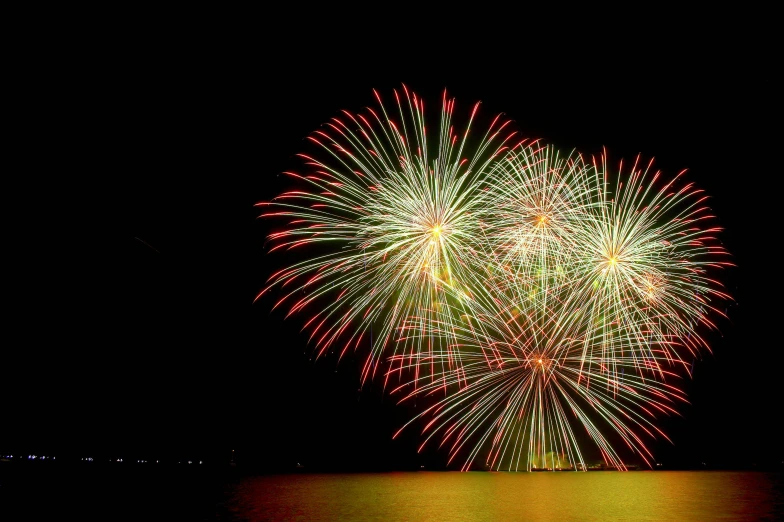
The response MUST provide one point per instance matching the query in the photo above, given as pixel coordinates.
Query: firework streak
(538, 303)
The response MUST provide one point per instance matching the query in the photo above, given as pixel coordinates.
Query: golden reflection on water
(561, 496)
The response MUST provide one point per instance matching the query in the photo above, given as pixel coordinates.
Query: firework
(544, 306)
(388, 214)
(587, 320)
(648, 255)
(532, 209)
(527, 396)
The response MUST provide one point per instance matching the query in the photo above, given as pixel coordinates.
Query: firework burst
(540, 303)
(586, 321)
(648, 255)
(393, 214)
(527, 396)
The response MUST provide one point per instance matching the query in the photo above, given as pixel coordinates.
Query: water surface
(35, 493)
(443, 496)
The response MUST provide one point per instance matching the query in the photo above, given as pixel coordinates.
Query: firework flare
(539, 303)
(648, 257)
(528, 397)
(587, 321)
(532, 208)
(391, 215)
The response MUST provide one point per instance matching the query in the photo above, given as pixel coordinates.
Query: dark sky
(136, 252)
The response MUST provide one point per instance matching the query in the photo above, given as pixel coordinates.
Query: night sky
(136, 253)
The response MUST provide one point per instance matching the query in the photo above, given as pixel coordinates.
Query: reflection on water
(437, 496)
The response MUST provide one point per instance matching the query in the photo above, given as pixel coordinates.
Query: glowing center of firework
(541, 362)
(436, 231)
(542, 221)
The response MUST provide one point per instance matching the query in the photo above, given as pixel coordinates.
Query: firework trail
(532, 209)
(528, 397)
(586, 320)
(542, 305)
(390, 213)
(648, 257)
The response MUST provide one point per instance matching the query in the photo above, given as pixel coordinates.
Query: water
(477, 496)
(394, 496)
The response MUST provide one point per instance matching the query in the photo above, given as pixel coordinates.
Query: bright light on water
(600, 496)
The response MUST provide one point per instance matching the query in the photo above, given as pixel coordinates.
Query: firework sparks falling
(585, 323)
(534, 203)
(542, 304)
(393, 215)
(649, 256)
(527, 395)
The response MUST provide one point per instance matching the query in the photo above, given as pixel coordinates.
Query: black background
(134, 251)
